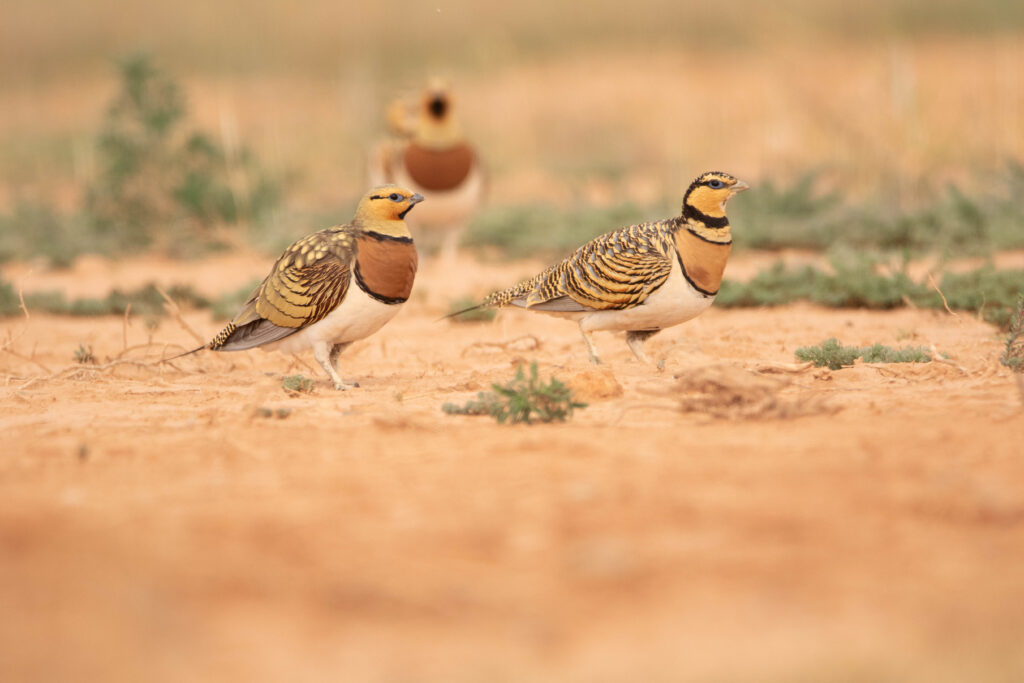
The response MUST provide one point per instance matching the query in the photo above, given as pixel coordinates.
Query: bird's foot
(341, 385)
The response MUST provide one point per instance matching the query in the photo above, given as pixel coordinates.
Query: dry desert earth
(732, 517)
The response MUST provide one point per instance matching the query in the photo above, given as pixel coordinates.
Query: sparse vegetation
(154, 173)
(523, 399)
(298, 384)
(830, 353)
(795, 215)
(146, 301)
(858, 284)
(158, 184)
(84, 355)
(879, 353)
(953, 221)
(539, 230)
(833, 355)
(1013, 354)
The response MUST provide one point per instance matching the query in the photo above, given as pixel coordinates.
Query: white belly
(357, 317)
(675, 302)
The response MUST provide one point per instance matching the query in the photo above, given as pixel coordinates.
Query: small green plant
(298, 384)
(1013, 355)
(476, 315)
(523, 399)
(830, 353)
(84, 355)
(879, 353)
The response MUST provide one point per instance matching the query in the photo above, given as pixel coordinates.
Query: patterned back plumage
(609, 272)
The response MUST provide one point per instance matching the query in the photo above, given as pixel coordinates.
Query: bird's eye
(395, 197)
(715, 184)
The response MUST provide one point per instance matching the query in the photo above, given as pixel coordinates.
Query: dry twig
(935, 286)
(172, 309)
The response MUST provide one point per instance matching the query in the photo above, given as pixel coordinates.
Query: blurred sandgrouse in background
(429, 154)
(641, 278)
(333, 287)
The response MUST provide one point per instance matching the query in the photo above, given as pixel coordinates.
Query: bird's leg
(635, 339)
(336, 351)
(325, 357)
(590, 346)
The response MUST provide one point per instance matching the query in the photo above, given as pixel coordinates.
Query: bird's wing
(309, 281)
(614, 271)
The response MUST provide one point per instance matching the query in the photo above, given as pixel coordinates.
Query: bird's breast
(438, 169)
(385, 267)
(703, 262)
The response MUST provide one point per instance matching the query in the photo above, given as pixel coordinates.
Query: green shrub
(160, 184)
(833, 355)
(523, 399)
(298, 384)
(830, 353)
(879, 353)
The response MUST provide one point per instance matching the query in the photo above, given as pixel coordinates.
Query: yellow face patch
(709, 201)
(382, 209)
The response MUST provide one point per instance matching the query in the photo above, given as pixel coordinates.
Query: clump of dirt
(593, 385)
(729, 392)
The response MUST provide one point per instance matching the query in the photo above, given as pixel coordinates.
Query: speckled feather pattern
(616, 270)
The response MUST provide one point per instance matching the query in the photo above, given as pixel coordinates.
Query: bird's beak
(740, 186)
(415, 199)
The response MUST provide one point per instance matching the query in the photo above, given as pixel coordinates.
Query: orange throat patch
(703, 261)
(386, 267)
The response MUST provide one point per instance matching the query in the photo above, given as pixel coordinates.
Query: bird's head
(708, 194)
(383, 209)
(704, 204)
(437, 126)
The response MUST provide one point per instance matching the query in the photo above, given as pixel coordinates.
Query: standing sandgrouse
(333, 287)
(437, 161)
(641, 278)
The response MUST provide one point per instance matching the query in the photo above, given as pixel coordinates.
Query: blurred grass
(797, 215)
(39, 40)
(531, 230)
(953, 221)
(857, 283)
(902, 126)
(146, 301)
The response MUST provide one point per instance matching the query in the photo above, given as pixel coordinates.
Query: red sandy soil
(196, 522)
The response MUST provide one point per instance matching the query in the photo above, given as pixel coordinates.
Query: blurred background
(890, 122)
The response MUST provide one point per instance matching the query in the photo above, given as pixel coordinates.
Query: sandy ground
(196, 522)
